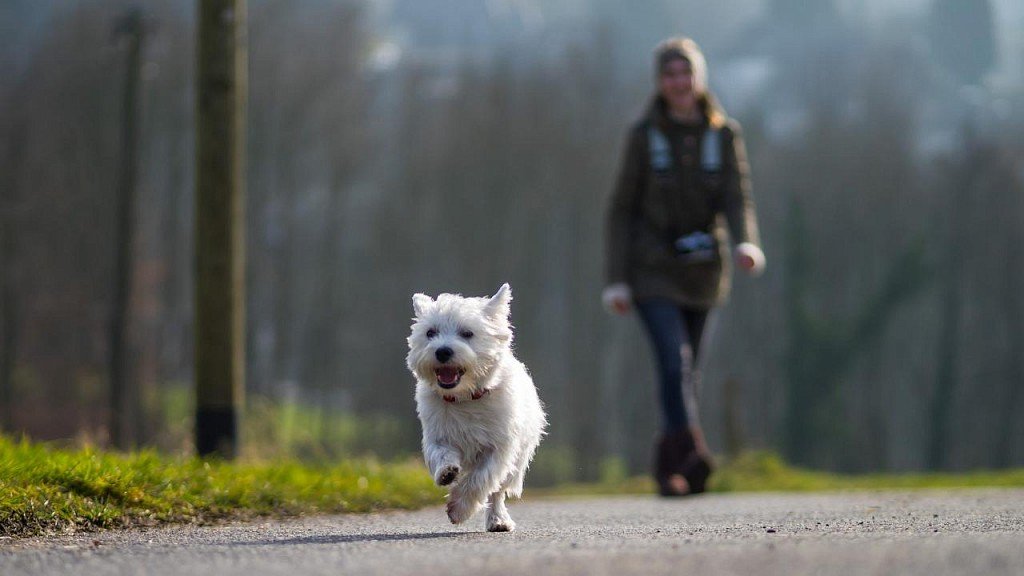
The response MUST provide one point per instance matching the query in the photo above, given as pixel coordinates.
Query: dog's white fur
(479, 435)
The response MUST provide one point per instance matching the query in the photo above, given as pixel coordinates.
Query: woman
(683, 183)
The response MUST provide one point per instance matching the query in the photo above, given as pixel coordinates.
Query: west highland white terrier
(482, 419)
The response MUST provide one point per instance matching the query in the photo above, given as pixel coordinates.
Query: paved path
(924, 532)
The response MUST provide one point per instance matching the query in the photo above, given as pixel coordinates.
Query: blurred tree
(64, 119)
(980, 225)
(391, 168)
(1010, 428)
(960, 174)
(845, 299)
(125, 407)
(345, 140)
(821, 351)
(309, 224)
(10, 205)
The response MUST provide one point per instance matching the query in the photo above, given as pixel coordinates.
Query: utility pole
(220, 232)
(129, 33)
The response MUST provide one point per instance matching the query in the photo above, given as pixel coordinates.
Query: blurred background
(398, 146)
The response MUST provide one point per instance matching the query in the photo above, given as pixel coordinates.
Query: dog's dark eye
(431, 333)
(467, 334)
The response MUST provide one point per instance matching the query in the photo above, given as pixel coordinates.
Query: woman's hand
(617, 298)
(750, 258)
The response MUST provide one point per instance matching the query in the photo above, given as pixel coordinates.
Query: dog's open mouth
(448, 376)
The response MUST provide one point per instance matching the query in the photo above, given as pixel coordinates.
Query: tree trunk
(965, 170)
(8, 319)
(10, 208)
(942, 400)
(1009, 419)
(124, 403)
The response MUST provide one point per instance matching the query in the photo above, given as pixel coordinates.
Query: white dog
(481, 417)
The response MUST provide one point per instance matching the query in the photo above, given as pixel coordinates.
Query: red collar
(477, 394)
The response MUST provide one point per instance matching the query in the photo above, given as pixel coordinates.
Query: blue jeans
(675, 332)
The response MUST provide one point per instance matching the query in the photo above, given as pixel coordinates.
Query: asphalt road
(923, 532)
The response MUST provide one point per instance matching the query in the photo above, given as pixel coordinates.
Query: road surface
(923, 532)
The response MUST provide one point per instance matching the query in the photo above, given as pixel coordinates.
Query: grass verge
(759, 471)
(766, 472)
(45, 490)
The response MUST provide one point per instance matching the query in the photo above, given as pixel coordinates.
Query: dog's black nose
(443, 354)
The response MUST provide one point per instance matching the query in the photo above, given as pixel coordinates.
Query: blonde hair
(686, 49)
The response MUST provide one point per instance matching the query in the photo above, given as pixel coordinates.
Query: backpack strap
(661, 151)
(711, 150)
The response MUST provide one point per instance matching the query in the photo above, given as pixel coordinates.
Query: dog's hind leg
(498, 519)
(513, 486)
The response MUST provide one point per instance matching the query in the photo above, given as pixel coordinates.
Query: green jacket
(652, 206)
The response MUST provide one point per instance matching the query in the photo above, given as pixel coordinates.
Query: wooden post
(220, 232)
(12, 207)
(122, 399)
(8, 296)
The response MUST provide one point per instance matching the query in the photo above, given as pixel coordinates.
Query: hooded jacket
(651, 208)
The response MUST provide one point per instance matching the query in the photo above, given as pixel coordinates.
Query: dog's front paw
(447, 475)
(460, 510)
(500, 525)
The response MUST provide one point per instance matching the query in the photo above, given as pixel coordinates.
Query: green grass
(45, 490)
(766, 472)
(759, 471)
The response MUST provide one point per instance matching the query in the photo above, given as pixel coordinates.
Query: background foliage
(391, 154)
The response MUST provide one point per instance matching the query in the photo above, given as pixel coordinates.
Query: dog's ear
(498, 305)
(420, 303)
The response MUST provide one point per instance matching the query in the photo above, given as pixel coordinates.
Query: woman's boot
(696, 465)
(670, 450)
